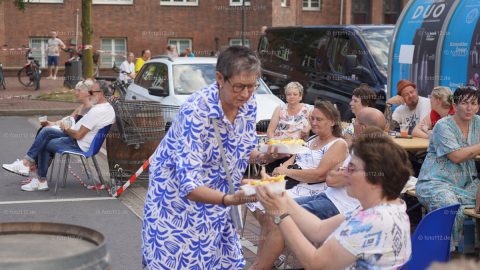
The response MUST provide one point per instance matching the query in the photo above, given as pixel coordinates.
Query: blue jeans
(49, 140)
(319, 205)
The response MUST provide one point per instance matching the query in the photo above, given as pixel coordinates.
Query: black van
(329, 61)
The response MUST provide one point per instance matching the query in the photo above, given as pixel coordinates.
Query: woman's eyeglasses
(239, 87)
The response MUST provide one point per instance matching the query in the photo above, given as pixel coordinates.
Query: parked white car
(170, 81)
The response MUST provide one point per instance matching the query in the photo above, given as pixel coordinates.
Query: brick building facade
(203, 25)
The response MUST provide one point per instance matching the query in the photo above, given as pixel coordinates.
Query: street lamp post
(243, 22)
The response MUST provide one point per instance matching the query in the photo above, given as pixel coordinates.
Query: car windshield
(378, 43)
(188, 78)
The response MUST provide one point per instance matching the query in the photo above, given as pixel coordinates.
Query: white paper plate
(286, 148)
(276, 187)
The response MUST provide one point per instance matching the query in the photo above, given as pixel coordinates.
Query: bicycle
(29, 74)
(2, 78)
(117, 87)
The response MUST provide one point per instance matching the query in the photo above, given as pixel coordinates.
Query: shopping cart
(140, 121)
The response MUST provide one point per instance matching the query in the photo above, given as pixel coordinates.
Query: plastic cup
(404, 131)
(42, 119)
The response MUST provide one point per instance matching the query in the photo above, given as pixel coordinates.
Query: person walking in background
(188, 53)
(146, 55)
(53, 53)
(127, 69)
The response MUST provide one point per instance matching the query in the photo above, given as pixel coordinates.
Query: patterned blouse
(379, 236)
(291, 126)
(182, 234)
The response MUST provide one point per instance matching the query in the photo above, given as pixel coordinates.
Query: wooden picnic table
(412, 144)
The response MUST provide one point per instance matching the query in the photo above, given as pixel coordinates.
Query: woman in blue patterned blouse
(187, 223)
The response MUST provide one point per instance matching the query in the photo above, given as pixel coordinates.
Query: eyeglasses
(91, 92)
(239, 87)
(351, 169)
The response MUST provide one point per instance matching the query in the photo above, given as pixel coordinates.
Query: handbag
(234, 210)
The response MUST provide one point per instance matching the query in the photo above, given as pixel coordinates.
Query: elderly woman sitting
(327, 150)
(441, 101)
(374, 236)
(448, 175)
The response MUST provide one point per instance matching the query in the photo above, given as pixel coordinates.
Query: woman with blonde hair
(291, 120)
(441, 101)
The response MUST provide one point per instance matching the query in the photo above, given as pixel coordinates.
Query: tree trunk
(87, 37)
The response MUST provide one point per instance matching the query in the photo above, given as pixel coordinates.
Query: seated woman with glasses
(327, 150)
(441, 101)
(376, 235)
(448, 174)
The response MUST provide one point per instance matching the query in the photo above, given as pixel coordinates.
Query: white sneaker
(35, 185)
(17, 167)
(49, 77)
(54, 78)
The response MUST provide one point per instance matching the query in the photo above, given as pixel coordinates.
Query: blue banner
(461, 47)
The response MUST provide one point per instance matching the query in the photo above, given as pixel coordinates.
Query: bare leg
(55, 73)
(271, 243)
(50, 71)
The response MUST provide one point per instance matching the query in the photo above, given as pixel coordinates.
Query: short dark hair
(386, 163)
(237, 59)
(332, 114)
(465, 93)
(366, 95)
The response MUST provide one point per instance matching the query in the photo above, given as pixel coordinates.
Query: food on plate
(267, 181)
(285, 141)
(276, 185)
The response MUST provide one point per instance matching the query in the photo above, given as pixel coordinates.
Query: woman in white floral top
(376, 235)
(291, 120)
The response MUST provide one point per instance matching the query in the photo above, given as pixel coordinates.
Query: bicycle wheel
(36, 78)
(24, 77)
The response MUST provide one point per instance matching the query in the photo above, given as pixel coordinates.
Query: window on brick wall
(179, 2)
(113, 2)
(311, 4)
(181, 44)
(39, 49)
(361, 13)
(239, 2)
(44, 1)
(114, 51)
(285, 3)
(391, 11)
(238, 42)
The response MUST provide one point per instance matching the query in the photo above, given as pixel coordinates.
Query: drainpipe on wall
(341, 11)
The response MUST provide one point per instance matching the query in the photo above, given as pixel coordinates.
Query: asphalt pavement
(73, 204)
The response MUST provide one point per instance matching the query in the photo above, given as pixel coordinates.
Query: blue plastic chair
(431, 240)
(94, 149)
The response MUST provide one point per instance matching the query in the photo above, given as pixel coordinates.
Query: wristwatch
(279, 219)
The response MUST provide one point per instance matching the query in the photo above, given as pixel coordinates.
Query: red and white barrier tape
(5, 49)
(79, 180)
(133, 178)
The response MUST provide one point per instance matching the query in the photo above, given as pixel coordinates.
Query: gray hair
(85, 85)
(237, 59)
(294, 85)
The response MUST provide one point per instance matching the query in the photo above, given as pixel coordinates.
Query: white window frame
(238, 41)
(309, 7)
(43, 1)
(176, 42)
(236, 3)
(43, 50)
(183, 3)
(112, 2)
(113, 53)
(285, 3)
